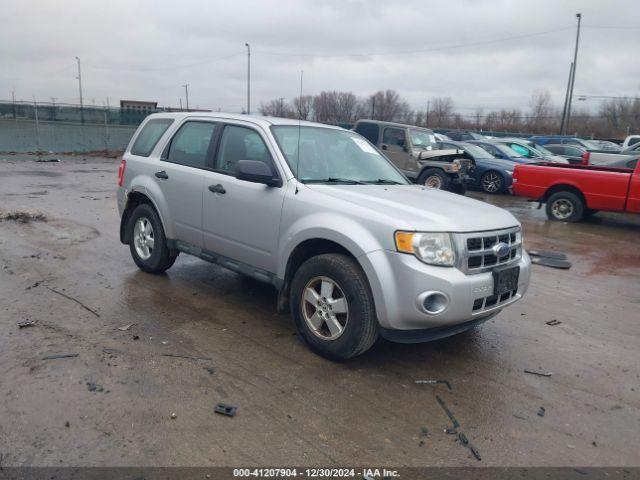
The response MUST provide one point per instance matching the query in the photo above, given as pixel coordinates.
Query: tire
(492, 182)
(354, 329)
(152, 242)
(434, 178)
(565, 207)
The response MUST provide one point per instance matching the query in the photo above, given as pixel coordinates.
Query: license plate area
(505, 280)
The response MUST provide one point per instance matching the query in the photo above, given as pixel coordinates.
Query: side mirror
(256, 172)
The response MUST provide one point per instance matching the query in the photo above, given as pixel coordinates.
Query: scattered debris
(94, 387)
(465, 442)
(136, 337)
(435, 382)
(210, 370)
(64, 355)
(553, 322)
(450, 431)
(124, 328)
(73, 300)
(520, 417)
(551, 262)
(547, 254)
(185, 356)
(224, 409)
(448, 412)
(67, 424)
(21, 216)
(594, 443)
(47, 160)
(571, 446)
(27, 323)
(541, 412)
(475, 452)
(541, 374)
(424, 432)
(174, 415)
(34, 285)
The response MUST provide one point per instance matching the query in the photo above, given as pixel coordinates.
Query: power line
(409, 52)
(168, 67)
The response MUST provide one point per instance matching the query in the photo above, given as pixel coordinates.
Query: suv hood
(414, 207)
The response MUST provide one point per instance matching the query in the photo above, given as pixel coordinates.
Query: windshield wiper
(347, 181)
(384, 181)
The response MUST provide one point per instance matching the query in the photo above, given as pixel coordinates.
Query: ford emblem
(501, 250)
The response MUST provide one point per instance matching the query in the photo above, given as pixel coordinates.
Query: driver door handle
(384, 146)
(217, 189)
(162, 174)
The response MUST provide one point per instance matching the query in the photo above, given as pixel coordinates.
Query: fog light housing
(433, 303)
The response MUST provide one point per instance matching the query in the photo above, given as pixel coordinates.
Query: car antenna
(299, 127)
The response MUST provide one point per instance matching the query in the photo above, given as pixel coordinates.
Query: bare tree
(388, 106)
(441, 111)
(541, 112)
(277, 108)
(303, 106)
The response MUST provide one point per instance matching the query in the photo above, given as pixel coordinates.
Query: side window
(240, 143)
(572, 151)
(491, 149)
(189, 146)
(632, 163)
(394, 136)
(149, 136)
(368, 131)
(520, 149)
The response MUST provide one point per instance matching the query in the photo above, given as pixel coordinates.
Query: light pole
(186, 94)
(80, 88)
(248, 78)
(573, 75)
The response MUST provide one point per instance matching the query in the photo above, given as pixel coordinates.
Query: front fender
(335, 227)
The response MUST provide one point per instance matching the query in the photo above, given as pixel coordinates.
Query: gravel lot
(112, 404)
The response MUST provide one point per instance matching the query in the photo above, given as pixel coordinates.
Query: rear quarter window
(149, 136)
(368, 131)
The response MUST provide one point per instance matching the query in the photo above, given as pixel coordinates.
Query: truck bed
(603, 188)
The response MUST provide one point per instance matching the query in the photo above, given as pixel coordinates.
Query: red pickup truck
(572, 192)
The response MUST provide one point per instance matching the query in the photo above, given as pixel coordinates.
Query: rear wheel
(565, 207)
(492, 182)
(434, 178)
(147, 241)
(333, 307)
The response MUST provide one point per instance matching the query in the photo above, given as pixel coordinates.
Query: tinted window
(190, 145)
(633, 141)
(491, 149)
(394, 136)
(572, 151)
(149, 136)
(240, 143)
(632, 163)
(368, 131)
(557, 149)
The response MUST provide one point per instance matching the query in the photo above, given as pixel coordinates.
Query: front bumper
(399, 282)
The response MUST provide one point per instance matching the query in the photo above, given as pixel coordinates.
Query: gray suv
(354, 250)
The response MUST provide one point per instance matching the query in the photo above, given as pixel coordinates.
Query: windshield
(509, 152)
(328, 155)
(541, 149)
(475, 151)
(422, 139)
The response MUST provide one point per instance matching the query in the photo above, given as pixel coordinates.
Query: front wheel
(333, 308)
(565, 207)
(492, 182)
(434, 178)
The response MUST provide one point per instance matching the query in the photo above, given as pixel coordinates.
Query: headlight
(431, 248)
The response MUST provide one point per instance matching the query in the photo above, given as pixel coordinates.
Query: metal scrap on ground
(63, 355)
(435, 382)
(541, 374)
(185, 356)
(224, 409)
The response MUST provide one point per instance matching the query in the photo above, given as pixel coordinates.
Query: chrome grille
(476, 249)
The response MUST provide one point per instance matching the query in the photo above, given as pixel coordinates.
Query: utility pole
(248, 78)
(566, 101)
(573, 75)
(80, 88)
(426, 117)
(186, 94)
(180, 103)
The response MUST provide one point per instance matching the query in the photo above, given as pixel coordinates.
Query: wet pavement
(112, 404)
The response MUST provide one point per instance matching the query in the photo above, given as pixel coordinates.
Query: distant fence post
(35, 107)
(106, 131)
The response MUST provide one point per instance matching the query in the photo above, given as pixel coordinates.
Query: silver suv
(353, 248)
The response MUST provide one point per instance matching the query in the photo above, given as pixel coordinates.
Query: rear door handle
(162, 174)
(217, 189)
(384, 147)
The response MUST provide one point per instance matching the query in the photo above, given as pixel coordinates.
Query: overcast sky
(482, 53)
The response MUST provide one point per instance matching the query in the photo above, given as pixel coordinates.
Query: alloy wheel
(325, 308)
(143, 238)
